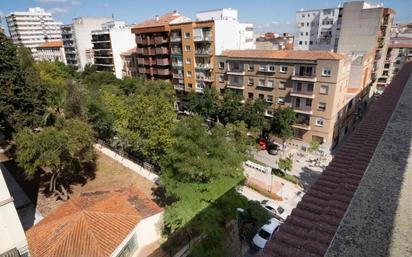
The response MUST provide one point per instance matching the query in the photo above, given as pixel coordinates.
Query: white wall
(218, 14)
(82, 28)
(11, 231)
(122, 40)
(231, 35)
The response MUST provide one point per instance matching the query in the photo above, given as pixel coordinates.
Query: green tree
(286, 164)
(54, 75)
(22, 98)
(61, 150)
(144, 123)
(205, 105)
(314, 146)
(253, 114)
(230, 108)
(283, 119)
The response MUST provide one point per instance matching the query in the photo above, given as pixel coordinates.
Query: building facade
(51, 51)
(109, 42)
(12, 236)
(316, 84)
(318, 29)
(33, 28)
(175, 48)
(129, 60)
(398, 54)
(77, 40)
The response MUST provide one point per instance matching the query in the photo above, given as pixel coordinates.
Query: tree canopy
(283, 119)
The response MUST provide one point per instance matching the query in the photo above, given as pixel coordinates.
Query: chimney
(157, 17)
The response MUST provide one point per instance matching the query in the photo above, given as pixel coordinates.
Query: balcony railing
(163, 61)
(160, 40)
(175, 39)
(302, 93)
(302, 125)
(139, 50)
(303, 109)
(235, 85)
(177, 75)
(204, 78)
(163, 72)
(179, 86)
(177, 64)
(139, 40)
(203, 52)
(304, 77)
(162, 50)
(176, 51)
(203, 37)
(203, 66)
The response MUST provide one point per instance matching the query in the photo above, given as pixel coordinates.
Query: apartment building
(398, 54)
(77, 40)
(318, 85)
(33, 28)
(318, 29)
(129, 60)
(271, 41)
(51, 51)
(109, 42)
(173, 47)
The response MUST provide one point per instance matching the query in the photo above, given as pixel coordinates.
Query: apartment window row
(268, 98)
(251, 67)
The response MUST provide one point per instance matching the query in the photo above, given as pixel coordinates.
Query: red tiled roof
(400, 45)
(51, 44)
(161, 21)
(92, 225)
(284, 54)
(310, 228)
(130, 51)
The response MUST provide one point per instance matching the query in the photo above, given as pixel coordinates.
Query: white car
(265, 233)
(275, 209)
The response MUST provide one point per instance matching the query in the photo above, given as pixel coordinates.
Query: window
(236, 66)
(303, 15)
(221, 78)
(319, 122)
(306, 42)
(261, 82)
(283, 69)
(251, 81)
(310, 42)
(187, 48)
(250, 95)
(301, 33)
(188, 61)
(282, 85)
(310, 87)
(251, 67)
(235, 79)
(324, 90)
(269, 98)
(300, 42)
(271, 68)
(187, 35)
(221, 65)
(326, 72)
(261, 96)
(302, 24)
(271, 83)
(189, 74)
(321, 106)
(306, 33)
(308, 102)
(281, 100)
(261, 67)
(307, 24)
(189, 85)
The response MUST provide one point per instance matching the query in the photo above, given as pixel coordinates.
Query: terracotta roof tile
(310, 228)
(284, 54)
(92, 225)
(160, 21)
(51, 44)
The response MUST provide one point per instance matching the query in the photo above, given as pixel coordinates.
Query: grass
(285, 176)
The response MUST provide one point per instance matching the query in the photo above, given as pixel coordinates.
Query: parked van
(265, 233)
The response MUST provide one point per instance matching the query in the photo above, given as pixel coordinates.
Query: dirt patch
(108, 174)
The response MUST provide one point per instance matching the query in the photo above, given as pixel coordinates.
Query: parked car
(265, 233)
(263, 144)
(273, 149)
(275, 209)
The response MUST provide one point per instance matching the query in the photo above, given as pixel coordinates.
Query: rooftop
(284, 54)
(359, 204)
(92, 225)
(158, 20)
(129, 52)
(51, 44)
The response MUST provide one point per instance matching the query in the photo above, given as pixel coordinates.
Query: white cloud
(57, 10)
(51, 1)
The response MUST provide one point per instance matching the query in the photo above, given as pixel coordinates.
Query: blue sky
(267, 15)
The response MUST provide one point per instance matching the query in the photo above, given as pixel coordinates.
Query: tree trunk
(52, 183)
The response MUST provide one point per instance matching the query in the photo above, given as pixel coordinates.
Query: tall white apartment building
(33, 28)
(77, 40)
(109, 42)
(318, 29)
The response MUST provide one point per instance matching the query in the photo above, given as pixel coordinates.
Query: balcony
(203, 52)
(162, 61)
(177, 64)
(176, 52)
(139, 40)
(163, 72)
(304, 77)
(148, 41)
(200, 89)
(139, 50)
(234, 85)
(161, 50)
(175, 39)
(302, 93)
(179, 87)
(140, 61)
(302, 125)
(203, 66)
(149, 51)
(265, 85)
(235, 72)
(177, 75)
(266, 69)
(160, 40)
(204, 78)
(303, 109)
(268, 113)
(205, 36)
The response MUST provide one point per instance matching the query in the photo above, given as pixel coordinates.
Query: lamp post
(239, 211)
